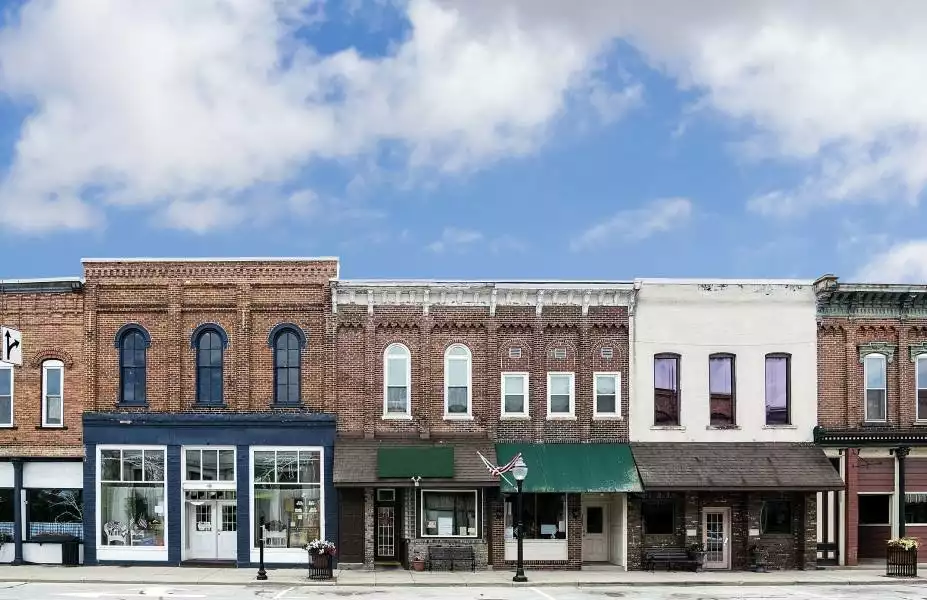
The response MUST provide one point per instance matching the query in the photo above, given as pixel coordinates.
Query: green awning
(572, 467)
(415, 461)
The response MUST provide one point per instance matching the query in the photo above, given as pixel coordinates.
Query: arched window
(132, 342)
(210, 341)
(457, 392)
(397, 381)
(287, 366)
(52, 393)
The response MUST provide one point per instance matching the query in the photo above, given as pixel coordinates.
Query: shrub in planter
(418, 563)
(697, 553)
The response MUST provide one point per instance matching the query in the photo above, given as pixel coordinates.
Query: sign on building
(11, 346)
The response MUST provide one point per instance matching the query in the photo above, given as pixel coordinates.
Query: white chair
(115, 532)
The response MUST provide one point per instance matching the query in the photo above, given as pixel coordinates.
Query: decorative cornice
(915, 350)
(877, 348)
(875, 436)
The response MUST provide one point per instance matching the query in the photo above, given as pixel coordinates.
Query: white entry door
(595, 532)
(716, 536)
(212, 530)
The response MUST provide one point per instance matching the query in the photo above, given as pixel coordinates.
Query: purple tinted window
(777, 390)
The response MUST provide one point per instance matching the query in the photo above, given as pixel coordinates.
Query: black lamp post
(261, 574)
(519, 472)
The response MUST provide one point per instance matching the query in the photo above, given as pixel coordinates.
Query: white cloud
(905, 262)
(637, 224)
(453, 238)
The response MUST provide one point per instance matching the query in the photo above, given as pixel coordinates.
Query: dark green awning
(572, 467)
(415, 461)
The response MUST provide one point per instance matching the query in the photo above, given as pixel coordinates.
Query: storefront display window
(544, 516)
(288, 495)
(449, 513)
(131, 497)
(52, 513)
(6, 513)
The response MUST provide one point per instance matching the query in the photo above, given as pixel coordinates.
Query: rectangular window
(544, 516)
(778, 394)
(666, 390)
(915, 508)
(606, 387)
(449, 513)
(53, 513)
(874, 367)
(514, 394)
(920, 374)
(721, 389)
(560, 392)
(659, 516)
(209, 465)
(6, 396)
(131, 496)
(776, 517)
(875, 509)
(288, 495)
(7, 518)
(52, 393)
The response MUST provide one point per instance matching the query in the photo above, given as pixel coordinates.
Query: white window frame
(883, 360)
(201, 483)
(914, 492)
(566, 416)
(298, 553)
(595, 395)
(5, 367)
(165, 516)
(469, 359)
(51, 364)
(918, 384)
(514, 415)
(421, 504)
(891, 509)
(408, 413)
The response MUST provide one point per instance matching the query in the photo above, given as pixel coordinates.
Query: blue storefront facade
(192, 487)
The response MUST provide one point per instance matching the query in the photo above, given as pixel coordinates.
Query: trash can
(70, 553)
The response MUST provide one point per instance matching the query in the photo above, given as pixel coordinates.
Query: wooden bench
(671, 559)
(448, 558)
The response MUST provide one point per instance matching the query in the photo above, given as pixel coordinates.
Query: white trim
(217, 484)
(284, 555)
(227, 259)
(917, 387)
(572, 413)
(525, 413)
(42, 280)
(407, 414)
(9, 367)
(883, 360)
(595, 395)
(476, 508)
(697, 281)
(924, 524)
(892, 509)
(469, 359)
(46, 365)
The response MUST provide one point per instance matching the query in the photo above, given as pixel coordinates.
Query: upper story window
(666, 389)
(6, 395)
(721, 389)
(514, 394)
(778, 392)
(52, 393)
(287, 344)
(561, 395)
(133, 342)
(210, 342)
(874, 368)
(606, 388)
(457, 379)
(921, 376)
(397, 380)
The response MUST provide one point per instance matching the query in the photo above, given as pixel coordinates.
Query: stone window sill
(668, 427)
(920, 423)
(51, 426)
(561, 417)
(131, 405)
(780, 426)
(607, 418)
(456, 418)
(210, 405)
(397, 417)
(723, 427)
(515, 418)
(875, 423)
(8, 427)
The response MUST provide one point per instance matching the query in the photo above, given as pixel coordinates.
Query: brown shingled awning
(362, 462)
(734, 466)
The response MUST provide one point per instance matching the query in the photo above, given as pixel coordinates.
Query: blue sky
(452, 139)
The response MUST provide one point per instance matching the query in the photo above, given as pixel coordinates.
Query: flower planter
(901, 562)
(418, 564)
(320, 566)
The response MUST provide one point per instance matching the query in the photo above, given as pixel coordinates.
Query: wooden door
(351, 520)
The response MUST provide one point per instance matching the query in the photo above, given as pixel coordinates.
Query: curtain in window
(777, 383)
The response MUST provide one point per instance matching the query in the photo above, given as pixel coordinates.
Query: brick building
(40, 420)
(872, 370)
(208, 409)
(429, 374)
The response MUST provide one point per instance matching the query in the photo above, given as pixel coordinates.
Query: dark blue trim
(281, 327)
(243, 474)
(90, 504)
(173, 487)
(200, 330)
(117, 340)
(18, 516)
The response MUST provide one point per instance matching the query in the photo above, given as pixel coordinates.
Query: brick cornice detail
(51, 354)
(915, 350)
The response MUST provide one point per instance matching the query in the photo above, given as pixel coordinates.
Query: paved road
(51, 591)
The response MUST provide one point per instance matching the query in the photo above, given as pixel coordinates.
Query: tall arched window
(457, 381)
(132, 342)
(397, 381)
(210, 341)
(287, 367)
(52, 393)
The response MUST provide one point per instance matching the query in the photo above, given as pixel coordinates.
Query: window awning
(416, 461)
(572, 467)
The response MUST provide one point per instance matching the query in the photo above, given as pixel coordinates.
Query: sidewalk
(395, 578)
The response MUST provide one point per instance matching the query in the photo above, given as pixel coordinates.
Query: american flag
(499, 471)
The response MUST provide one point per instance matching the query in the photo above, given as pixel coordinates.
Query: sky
(472, 139)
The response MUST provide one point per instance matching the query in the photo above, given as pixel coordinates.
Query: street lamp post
(520, 471)
(261, 574)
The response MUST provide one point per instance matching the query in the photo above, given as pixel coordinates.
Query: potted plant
(697, 553)
(418, 563)
(320, 558)
(901, 557)
(758, 558)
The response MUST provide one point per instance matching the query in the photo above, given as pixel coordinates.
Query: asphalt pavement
(65, 591)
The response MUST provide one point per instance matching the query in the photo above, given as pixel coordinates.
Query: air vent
(607, 352)
(514, 352)
(560, 353)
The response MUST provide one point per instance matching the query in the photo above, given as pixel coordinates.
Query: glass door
(716, 533)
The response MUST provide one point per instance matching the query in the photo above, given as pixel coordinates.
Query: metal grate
(386, 540)
(514, 352)
(607, 352)
(559, 353)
